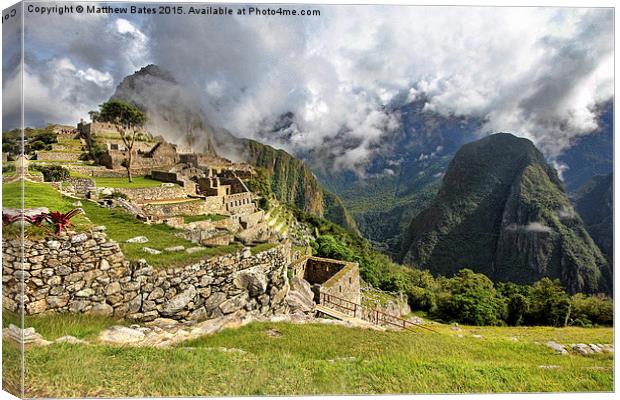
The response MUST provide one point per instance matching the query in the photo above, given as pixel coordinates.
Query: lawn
(318, 359)
(120, 226)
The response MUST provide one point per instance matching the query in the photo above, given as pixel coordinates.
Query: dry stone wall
(153, 193)
(86, 272)
(59, 155)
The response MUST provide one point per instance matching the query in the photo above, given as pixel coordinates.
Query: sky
(536, 72)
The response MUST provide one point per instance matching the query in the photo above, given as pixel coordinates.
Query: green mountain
(294, 183)
(174, 113)
(501, 210)
(594, 202)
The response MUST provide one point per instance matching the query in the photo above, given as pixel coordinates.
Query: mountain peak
(501, 210)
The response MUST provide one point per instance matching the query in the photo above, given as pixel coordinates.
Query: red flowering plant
(62, 220)
(37, 219)
(8, 219)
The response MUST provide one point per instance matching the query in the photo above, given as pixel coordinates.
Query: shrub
(327, 246)
(53, 173)
(62, 220)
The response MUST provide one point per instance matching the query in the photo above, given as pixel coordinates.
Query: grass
(53, 326)
(322, 359)
(259, 248)
(120, 226)
(207, 217)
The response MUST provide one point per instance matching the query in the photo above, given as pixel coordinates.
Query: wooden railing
(343, 305)
(376, 316)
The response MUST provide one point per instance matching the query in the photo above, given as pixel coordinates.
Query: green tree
(589, 310)
(327, 246)
(471, 299)
(128, 118)
(549, 304)
(517, 302)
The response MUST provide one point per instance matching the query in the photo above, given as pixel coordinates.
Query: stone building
(334, 277)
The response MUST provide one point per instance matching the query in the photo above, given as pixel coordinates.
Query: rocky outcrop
(86, 272)
(301, 297)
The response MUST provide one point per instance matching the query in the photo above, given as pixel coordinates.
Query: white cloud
(536, 72)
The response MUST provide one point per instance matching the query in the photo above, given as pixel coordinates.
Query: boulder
(234, 304)
(300, 297)
(121, 335)
(175, 248)
(70, 340)
(151, 251)
(27, 337)
(138, 239)
(252, 279)
(582, 349)
(558, 348)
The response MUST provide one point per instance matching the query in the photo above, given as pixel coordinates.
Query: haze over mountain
(501, 210)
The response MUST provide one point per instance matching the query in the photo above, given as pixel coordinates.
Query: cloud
(535, 227)
(71, 65)
(536, 72)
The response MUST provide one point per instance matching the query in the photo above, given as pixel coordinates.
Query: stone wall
(164, 176)
(250, 220)
(87, 273)
(78, 186)
(59, 155)
(195, 207)
(99, 171)
(143, 195)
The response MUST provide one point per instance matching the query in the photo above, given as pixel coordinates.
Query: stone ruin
(337, 278)
(193, 184)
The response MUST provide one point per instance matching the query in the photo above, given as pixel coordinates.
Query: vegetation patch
(259, 248)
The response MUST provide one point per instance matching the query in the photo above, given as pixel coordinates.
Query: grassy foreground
(287, 359)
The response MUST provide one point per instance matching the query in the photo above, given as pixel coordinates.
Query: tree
(549, 303)
(471, 299)
(128, 118)
(94, 115)
(327, 246)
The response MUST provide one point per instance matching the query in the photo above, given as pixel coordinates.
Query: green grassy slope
(322, 359)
